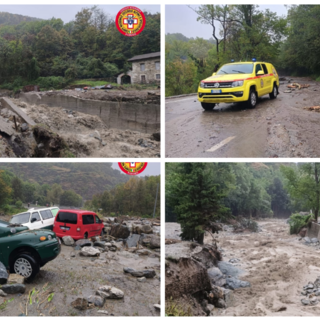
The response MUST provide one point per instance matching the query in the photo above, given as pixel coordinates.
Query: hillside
(10, 19)
(86, 179)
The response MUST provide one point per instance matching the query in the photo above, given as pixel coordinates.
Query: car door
(35, 221)
(259, 82)
(267, 83)
(88, 223)
(47, 219)
(97, 226)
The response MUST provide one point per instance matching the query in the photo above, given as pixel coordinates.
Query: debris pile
(311, 291)
(314, 108)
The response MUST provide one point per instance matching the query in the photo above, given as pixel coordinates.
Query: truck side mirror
(260, 72)
(214, 73)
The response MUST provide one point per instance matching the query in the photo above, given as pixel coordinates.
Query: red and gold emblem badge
(130, 21)
(132, 168)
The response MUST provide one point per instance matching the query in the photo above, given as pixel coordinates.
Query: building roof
(145, 56)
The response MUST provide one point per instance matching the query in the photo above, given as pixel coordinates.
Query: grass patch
(173, 309)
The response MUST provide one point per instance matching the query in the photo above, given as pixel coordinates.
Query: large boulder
(138, 229)
(68, 241)
(133, 240)
(3, 274)
(119, 231)
(233, 283)
(96, 300)
(83, 243)
(216, 276)
(89, 252)
(155, 242)
(13, 288)
(109, 292)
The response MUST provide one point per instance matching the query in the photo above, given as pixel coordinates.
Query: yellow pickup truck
(237, 82)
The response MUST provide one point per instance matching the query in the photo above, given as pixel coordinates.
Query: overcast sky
(182, 19)
(152, 169)
(68, 12)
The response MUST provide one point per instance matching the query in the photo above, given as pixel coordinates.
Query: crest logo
(217, 85)
(132, 168)
(130, 21)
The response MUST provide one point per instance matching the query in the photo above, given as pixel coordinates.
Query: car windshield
(245, 68)
(20, 218)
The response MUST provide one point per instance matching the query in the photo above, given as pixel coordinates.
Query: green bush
(318, 78)
(298, 221)
(6, 208)
(18, 204)
(52, 82)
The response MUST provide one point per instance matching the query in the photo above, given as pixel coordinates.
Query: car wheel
(207, 106)
(25, 265)
(274, 93)
(252, 102)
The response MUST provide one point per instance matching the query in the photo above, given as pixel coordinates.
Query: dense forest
(97, 177)
(136, 197)
(123, 195)
(52, 53)
(220, 191)
(243, 32)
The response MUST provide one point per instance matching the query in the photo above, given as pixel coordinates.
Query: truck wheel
(252, 101)
(207, 106)
(274, 93)
(25, 265)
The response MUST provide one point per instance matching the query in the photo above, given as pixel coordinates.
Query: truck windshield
(21, 218)
(241, 68)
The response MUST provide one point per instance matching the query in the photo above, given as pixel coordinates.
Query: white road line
(220, 144)
(181, 100)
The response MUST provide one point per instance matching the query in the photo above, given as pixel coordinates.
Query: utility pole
(155, 203)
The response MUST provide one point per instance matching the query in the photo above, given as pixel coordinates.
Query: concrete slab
(6, 127)
(6, 103)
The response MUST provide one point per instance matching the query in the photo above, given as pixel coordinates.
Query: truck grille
(221, 84)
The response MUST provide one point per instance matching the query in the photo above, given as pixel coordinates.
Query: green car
(25, 251)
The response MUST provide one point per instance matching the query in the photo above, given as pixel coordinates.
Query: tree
(5, 189)
(54, 194)
(70, 198)
(16, 185)
(196, 192)
(303, 185)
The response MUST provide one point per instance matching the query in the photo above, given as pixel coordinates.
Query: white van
(36, 218)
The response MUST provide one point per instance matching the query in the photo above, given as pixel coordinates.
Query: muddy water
(72, 277)
(275, 128)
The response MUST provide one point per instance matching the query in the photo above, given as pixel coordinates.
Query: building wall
(149, 72)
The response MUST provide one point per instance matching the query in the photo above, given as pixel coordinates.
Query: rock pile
(311, 291)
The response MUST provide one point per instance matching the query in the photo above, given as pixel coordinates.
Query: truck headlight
(49, 237)
(201, 84)
(237, 84)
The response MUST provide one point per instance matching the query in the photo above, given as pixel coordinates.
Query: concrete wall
(124, 115)
(313, 231)
(149, 72)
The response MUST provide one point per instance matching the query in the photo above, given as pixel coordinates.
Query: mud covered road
(71, 276)
(275, 128)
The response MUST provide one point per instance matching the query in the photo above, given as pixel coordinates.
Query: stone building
(145, 69)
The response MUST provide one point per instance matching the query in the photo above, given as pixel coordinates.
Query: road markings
(175, 101)
(220, 144)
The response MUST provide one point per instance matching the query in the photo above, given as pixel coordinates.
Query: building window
(143, 79)
(158, 76)
(142, 67)
(158, 65)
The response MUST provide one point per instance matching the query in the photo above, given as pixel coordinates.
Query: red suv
(78, 224)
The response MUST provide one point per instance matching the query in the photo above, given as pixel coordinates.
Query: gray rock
(233, 283)
(83, 243)
(305, 302)
(13, 288)
(149, 273)
(228, 297)
(2, 294)
(143, 279)
(128, 270)
(155, 242)
(3, 274)
(307, 240)
(100, 244)
(24, 127)
(314, 240)
(109, 292)
(103, 311)
(216, 276)
(133, 240)
(77, 248)
(96, 300)
(89, 252)
(119, 231)
(68, 241)
(157, 306)
(229, 270)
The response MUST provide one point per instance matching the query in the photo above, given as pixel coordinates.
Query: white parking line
(220, 144)
(175, 101)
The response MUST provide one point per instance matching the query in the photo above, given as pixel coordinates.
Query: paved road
(275, 128)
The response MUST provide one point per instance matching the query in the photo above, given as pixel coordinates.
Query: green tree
(54, 194)
(196, 192)
(17, 188)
